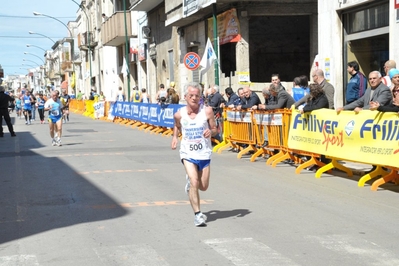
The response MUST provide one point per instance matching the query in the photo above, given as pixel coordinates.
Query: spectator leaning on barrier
(233, 99)
(249, 100)
(283, 98)
(378, 92)
(394, 105)
(317, 99)
(357, 84)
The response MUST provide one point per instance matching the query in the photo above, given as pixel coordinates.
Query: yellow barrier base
(377, 172)
(392, 176)
(333, 164)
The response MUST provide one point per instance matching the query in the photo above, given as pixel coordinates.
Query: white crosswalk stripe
(130, 255)
(247, 251)
(369, 252)
(19, 260)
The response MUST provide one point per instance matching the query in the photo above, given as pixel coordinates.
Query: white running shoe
(200, 219)
(59, 142)
(53, 142)
(187, 186)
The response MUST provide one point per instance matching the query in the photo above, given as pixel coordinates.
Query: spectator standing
(197, 125)
(135, 95)
(173, 97)
(300, 88)
(390, 64)
(328, 88)
(378, 92)
(120, 96)
(145, 97)
(101, 97)
(4, 100)
(161, 94)
(357, 84)
(215, 100)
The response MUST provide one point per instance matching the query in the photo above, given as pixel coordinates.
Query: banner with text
(370, 137)
(228, 27)
(150, 113)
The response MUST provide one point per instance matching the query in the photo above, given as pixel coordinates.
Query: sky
(17, 19)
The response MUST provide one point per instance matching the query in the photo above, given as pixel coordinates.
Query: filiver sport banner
(370, 137)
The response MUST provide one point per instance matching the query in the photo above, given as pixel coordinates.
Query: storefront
(355, 30)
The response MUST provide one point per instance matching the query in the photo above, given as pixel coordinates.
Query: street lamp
(30, 66)
(88, 36)
(31, 32)
(70, 32)
(30, 61)
(36, 56)
(31, 45)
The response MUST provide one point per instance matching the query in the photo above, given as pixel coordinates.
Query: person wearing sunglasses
(394, 105)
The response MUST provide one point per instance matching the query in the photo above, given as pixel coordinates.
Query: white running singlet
(193, 144)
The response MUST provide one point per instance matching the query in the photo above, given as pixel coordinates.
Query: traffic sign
(192, 60)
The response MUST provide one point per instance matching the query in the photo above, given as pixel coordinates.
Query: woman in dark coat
(317, 99)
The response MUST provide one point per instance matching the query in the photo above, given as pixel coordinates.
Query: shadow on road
(216, 214)
(41, 193)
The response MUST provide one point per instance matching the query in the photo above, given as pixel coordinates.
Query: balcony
(83, 41)
(113, 29)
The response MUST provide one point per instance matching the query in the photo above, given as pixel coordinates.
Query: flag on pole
(125, 69)
(208, 57)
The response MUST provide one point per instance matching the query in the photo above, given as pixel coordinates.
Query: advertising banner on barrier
(154, 114)
(269, 119)
(371, 137)
(98, 109)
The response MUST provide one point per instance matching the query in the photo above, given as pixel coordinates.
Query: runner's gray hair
(193, 85)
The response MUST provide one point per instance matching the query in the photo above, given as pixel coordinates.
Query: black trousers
(4, 113)
(41, 114)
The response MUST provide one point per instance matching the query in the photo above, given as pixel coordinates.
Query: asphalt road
(113, 195)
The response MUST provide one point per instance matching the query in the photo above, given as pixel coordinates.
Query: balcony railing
(113, 29)
(83, 40)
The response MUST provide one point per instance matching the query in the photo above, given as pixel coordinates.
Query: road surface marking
(371, 253)
(117, 171)
(247, 251)
(23, 260)
(149, 204)
(130, 255)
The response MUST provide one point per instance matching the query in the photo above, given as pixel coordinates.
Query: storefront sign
(192, 6)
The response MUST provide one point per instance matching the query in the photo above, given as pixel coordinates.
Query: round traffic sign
(192, 60)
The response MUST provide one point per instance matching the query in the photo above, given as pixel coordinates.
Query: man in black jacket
(4, 100)
(249, 100)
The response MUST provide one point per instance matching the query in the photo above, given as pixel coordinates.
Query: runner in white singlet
(197, 125)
